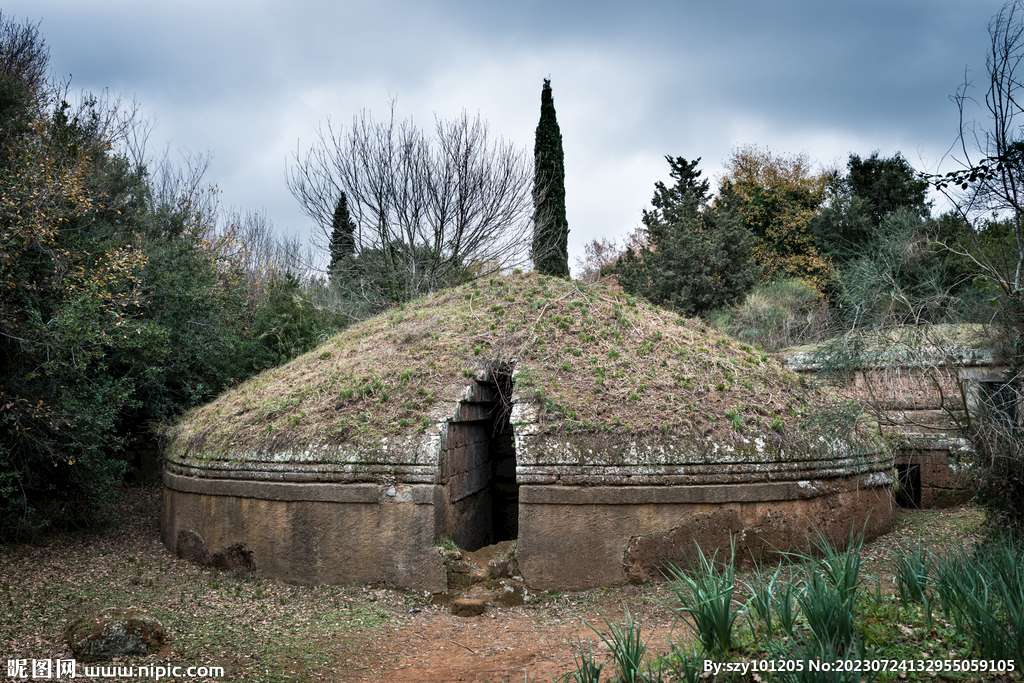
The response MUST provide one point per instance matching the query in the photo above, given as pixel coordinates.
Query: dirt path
(538, 641)
(507, 644)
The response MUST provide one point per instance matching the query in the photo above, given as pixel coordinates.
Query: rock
(498, 569)
(235, 556)
(467, 607)
(510, 593)
(191, 546)
(114, 632)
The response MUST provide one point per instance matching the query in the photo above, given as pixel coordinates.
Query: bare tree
(187, 203)
(597, 255)
(990, 154)
(990, 182)
(430, 211)
(23, 53)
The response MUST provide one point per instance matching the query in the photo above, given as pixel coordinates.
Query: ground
(267, 630)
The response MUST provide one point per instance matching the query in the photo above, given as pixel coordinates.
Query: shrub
(776, 315)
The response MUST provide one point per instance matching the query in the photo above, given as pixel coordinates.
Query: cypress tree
(550, 229)
(343, 242)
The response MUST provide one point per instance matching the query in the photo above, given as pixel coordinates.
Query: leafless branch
(429, 210)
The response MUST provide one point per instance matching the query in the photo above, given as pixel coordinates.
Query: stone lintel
(287, 491)
(645, 495)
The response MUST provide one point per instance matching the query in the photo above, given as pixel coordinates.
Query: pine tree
(343, 243)
(550, 229)
(696, 257)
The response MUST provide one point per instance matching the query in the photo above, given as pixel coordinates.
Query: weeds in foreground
(627, 648)
(913, 567)
(967, 604)
(588, 670)
(983, 593)
(686, 664)
(704, 600)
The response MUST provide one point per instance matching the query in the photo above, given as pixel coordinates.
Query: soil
(267, 630)
(507, 644)
(537, 643)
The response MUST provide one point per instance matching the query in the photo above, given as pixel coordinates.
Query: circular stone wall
(609, 437)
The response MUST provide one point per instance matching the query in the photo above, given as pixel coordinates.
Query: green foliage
(913, 570)
(907, 278)
(843, 228)
(587, 669)
(762, 594)
(695, 258)
(776, 315)
(886, 185)
(117, 310)
(898, 297)
(343, 244)
(814, 610)
(983, 593)
(686, 664)
(831, 622)
(627, 648)
(703, 599)
(876, 187)
(776, 197)
(551, 230)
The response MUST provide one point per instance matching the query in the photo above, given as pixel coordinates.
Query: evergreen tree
(696, 257)
(343, 241)
(550, 229)
(849, 225)
(887, 184)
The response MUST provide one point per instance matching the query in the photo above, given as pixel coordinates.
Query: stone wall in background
(921, 408)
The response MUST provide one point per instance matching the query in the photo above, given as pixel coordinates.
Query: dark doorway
(479, 467)
(908, 490)
(502, 447)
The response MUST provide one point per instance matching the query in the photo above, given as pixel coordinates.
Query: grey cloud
(632, 81)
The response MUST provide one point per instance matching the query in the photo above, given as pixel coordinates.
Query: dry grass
(589, 357)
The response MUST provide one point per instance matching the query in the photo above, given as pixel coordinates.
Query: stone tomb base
(569, 537)
(928, 479)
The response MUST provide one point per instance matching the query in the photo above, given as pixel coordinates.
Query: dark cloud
(632, 82)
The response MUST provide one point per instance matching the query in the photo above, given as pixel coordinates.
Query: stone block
(467, 607)
(114, 632)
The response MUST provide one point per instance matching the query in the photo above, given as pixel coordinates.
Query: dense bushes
(119, 308)
(776, 315)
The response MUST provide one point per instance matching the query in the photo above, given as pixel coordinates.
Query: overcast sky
(249, 81)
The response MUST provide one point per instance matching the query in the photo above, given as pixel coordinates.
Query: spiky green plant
(587, 670)
(627, 647)
(704, 600)
(762, 590)
(831, 621)
(912, 568)
(686, 665)
(983, 593)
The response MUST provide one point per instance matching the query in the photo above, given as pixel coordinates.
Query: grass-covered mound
(588, 358)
